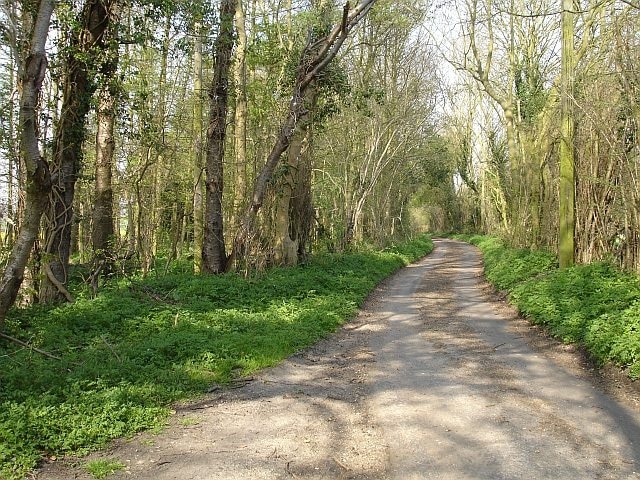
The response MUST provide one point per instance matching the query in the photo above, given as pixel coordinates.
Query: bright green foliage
(507, 267)
(103, 468)
(594, 305)
(138, 347)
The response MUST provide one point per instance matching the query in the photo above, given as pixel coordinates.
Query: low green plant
(190, 421)
(141, 345)
(103, 468)
(507, 267)
(594, 305)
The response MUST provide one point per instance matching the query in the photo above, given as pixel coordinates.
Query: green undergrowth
(142, 345)
(595, 305)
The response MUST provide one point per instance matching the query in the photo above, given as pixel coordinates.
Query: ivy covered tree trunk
(293, 209)
(214, 258)
(301, 210)
(87, 43)
(38, 175)
(293, 194)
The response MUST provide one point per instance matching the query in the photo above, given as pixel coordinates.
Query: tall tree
(197, 147)
(566, 200)
(38, 175)
(293, 201)
(214, 258)
(241, 111)
(293, 210)
(87, 45)
(8, 127)
(103, 232)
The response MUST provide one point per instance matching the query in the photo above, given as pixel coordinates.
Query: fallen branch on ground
(31, 347)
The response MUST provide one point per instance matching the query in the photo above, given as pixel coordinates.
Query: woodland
(219, 133)
(243, 135)
(164, 150)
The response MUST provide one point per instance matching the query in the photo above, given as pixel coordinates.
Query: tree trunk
(146, 205)
(131, 224)
(240, 114)
(285, 244)
(292, 197)
(37, 169)
(160, 145)
(198, 209)
(301, 211)
(103, 223)
(352, 230)
(13, 160)
(566, 249)
(214, 258)
(86, 41)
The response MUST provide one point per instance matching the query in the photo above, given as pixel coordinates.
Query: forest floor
(435, 378)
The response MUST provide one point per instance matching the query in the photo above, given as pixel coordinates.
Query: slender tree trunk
(155, 227)
(103, 222)
(131, 225)
(145, 206)
(11, 221)
(354, 215)
(198, 204)
(240, 114)
(162, 165)
(13, 159)
(103, 228)
(37, 169)
(214, 258)
(566, 248)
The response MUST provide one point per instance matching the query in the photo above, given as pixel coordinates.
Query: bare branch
(30, 347)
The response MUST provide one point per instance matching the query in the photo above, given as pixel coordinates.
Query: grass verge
(595, 305)
(142, 345)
